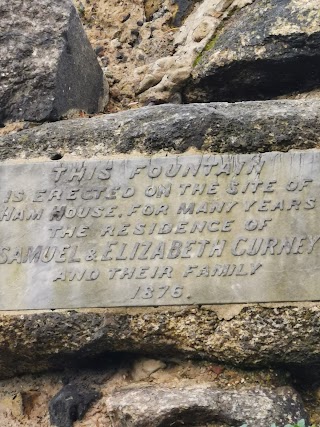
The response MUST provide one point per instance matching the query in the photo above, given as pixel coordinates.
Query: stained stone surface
(157, 406)
(48, 68)
(244, 127)
(240, 335)
(173, 230)
(265, 49)
(245, 335)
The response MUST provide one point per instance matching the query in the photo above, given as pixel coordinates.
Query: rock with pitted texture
(156, 406)
(242, 335)
(48, 68)
(245, 127)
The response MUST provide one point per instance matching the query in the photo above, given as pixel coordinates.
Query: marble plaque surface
(172, 230)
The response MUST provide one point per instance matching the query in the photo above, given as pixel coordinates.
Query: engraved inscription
(208, 229)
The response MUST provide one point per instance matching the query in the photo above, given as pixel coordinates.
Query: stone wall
(202, 365)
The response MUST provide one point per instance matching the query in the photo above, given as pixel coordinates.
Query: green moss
(24, 139)
(210, 45)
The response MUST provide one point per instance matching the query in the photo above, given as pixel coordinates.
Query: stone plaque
(160, 231)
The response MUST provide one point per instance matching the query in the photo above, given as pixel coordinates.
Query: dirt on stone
(24, 401)
(127, 35)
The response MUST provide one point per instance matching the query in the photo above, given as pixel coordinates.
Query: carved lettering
(187, 229)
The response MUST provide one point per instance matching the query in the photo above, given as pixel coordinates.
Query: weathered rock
(251, 336)
(70, 405)
(199, 405)
(217, 127)
(173, 70)
(266, 49)
(143, 368)
(158, 38)
(48, 68)
(183, 8)
(150, 7)
(24, 400)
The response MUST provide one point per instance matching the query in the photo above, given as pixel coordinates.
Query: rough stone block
(174, 230)
(244, 127)
(198, 405)
(249, 335)
(48, 68)
(266, 49)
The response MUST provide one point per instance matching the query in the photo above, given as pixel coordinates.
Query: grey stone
(71, 404)
(157, 406)
(266, 49)
(246, 335)
(48, 68)
(218, 127)
(174, 230)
